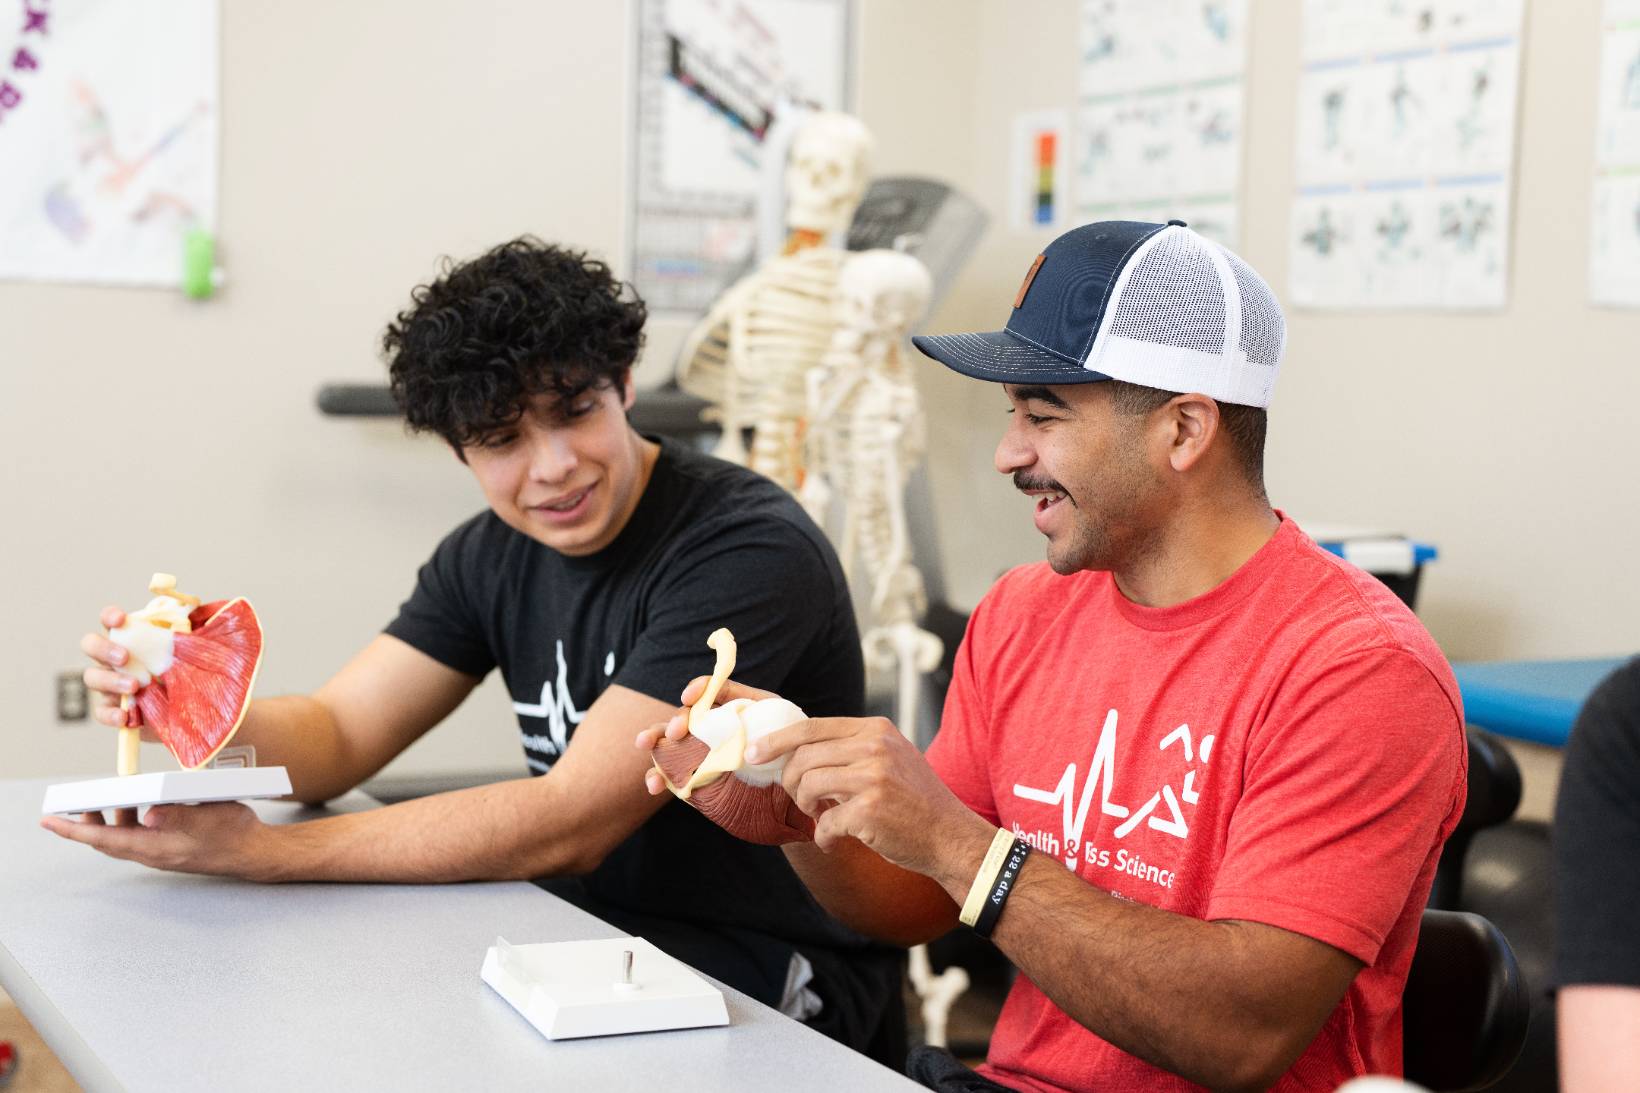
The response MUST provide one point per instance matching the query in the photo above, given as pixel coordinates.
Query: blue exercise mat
(1534, 700)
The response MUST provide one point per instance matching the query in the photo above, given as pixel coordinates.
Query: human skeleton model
(749, 355)
(866, 434)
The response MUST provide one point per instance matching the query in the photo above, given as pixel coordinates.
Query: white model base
(168, 787)
(570, 989)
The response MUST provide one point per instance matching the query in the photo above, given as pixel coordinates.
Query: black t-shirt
(709, 544)
(1596, 838)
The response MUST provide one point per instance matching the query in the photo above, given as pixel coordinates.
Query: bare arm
(1599, 1038)
(1228, 1004)
(564, 822)
(856, 886)
(380, 702)
(869, 894)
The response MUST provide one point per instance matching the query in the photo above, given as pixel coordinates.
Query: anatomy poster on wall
(1406, 137)
(1160, 117)
(1614, 250)
(712, 77)
(108, 138)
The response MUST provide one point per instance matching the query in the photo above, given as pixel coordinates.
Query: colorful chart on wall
(1037, 183)
(711, 76)
(108, 138)
(1158, 130)
(1406, 142)
(1614, 250)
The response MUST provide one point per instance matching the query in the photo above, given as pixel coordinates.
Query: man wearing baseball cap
(1194, 773)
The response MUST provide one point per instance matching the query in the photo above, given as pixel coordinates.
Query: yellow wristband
(986, 878)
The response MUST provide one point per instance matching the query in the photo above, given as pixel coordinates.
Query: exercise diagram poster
(1405, 159)
(1614, 251)
(1159, 122)
(712, 76)
(108, 137)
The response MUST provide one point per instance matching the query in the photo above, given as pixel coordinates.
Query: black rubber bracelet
(992, 908)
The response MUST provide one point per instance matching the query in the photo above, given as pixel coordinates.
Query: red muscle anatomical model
(195, 665)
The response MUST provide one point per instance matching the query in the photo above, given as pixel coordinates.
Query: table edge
(70, 1048)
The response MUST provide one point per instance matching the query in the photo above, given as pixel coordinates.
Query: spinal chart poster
(108, 137)
(1405, 158)
(1158, 128)
(1614, 245)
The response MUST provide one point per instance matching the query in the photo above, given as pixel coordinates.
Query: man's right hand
(104, 680)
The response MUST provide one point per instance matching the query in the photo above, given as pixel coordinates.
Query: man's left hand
(213, 838)
(885, 793)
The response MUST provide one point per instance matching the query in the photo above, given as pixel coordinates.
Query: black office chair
(1464, 1013)
(1494, 794)
(1497, 866)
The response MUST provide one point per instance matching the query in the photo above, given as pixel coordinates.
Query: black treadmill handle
(357, 400)
(667, 411)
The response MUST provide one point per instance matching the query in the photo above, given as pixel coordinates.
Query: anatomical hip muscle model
(194, 665)
(749, 354)
(709, 765)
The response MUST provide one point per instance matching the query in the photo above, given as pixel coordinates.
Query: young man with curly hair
(591, 581)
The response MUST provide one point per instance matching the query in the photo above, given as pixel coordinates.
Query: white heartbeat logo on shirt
(557, 706)
(1101, 774)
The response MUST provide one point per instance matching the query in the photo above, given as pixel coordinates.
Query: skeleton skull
(883, 293)
(826, 172)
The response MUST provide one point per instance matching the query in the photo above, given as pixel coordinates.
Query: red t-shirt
(1286, 749)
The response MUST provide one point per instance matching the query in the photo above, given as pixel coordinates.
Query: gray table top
(144, 980)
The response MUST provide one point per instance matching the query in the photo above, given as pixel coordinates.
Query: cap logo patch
(1029, 277)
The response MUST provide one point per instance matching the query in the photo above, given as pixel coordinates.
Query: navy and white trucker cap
(1151, 304)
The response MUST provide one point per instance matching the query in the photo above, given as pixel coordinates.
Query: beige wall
(145, 432)
(1503, 438)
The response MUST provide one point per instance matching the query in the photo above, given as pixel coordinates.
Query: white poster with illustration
(1405, 154)
(1614, 247)
(108, 138)
(1158, 130)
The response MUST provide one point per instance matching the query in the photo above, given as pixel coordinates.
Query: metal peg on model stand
(625, 985)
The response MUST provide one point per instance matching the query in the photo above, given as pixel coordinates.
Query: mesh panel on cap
(1263, 330)
(1173, 296)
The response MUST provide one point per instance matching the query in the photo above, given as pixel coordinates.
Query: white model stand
(865, 434)
(570, 989)
(749, 355)
(171, 787)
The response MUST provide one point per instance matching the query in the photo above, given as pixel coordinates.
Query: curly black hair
(524, 319)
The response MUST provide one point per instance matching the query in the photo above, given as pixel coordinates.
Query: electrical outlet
(73, 703)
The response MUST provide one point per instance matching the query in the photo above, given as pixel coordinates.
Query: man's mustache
(1023, 481)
